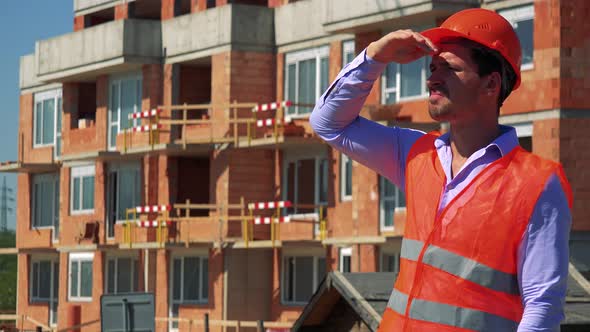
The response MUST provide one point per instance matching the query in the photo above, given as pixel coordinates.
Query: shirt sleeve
(336, 120)
(543, 261)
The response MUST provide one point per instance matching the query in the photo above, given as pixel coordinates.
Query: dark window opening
(195, 88)
(82, 109)
(99, 17)
(182, 7)
(526, 143)
(210, 4)
(193, 184)
(145, 9)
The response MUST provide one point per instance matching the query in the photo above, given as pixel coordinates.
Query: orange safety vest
(458, 267)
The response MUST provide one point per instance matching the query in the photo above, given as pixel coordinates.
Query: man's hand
(401, 46)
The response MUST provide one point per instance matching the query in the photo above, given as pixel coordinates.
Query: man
(485, 246)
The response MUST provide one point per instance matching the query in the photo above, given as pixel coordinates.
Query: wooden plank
(9, 317)
(8, 251)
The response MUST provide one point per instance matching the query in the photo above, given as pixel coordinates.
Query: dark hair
(489, 61)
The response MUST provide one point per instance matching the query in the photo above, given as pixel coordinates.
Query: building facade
(87, 158)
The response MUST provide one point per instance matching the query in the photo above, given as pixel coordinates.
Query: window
(80, 276)
(306, 182)
(390, 262)
(124, 192)
(347, 52)
(122, 275)
(124, 99)
(47, 120)
(345, 178)
(390, 199)
(45, 201)
(44, 284)
(82, 189)
(301, 277)
(407, 81)
(189, 283)
(524, 132)
(521, 19)
(345, 258)
(306, 78)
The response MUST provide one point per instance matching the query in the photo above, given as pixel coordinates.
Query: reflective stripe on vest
(461, 267)
(449, 315)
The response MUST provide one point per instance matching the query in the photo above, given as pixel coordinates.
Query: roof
(368, 293)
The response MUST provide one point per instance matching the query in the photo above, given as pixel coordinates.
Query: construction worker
(485, 244)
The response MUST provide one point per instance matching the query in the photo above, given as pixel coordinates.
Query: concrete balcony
(104, 49)
(364, 15)
(83, 7)
(300, 21)
(225, 28)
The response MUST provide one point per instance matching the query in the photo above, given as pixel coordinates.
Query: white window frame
(116, 168)
(383, 199)
(316, 278)
(41, 178)
(344, 159)
(78, 258)
(317, 185)
(517, 14)
(81, 172)
(317, 53)
(116, 80)
(344, 252)
(135, 261)
(56, 95)
(398, 81)
(53, 298)
(347, 48)
(171, 300)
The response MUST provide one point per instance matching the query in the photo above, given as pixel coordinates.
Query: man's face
(454, 84)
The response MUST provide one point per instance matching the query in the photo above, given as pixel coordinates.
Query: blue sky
(22, 22)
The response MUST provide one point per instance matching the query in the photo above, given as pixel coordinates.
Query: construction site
(164, 147)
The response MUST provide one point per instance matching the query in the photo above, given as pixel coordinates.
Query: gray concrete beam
(299, 22)
(83, 7)
(231, 27)
(104, 48)
(362, 15)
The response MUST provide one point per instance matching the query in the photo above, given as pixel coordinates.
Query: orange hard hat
(484, 27)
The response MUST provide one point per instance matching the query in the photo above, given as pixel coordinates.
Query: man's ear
(493, 84)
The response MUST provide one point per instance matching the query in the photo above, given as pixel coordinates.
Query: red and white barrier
(153, 223)
(271, 106)
(153, 208)
(147, 128)
(271, 122)
(266, 220)
(145, 114)
(269, 205)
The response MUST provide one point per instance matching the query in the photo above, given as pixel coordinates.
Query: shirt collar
(505, 143)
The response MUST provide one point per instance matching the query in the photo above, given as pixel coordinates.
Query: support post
(206, 323)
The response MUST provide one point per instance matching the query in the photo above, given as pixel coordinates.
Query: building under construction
(164, 146)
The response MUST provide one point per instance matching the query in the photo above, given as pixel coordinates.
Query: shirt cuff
(370, 69)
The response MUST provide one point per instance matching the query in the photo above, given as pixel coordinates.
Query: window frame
(348, 47)
(516, 14)
(82, 172)
(37, 260)
(383, 199)
(117, 80)
(40, 97)
(171, 301)
(116, 169)
(388, 254)
(316, 278)
(344, 159)
(53, 178)
(344, 252)
(134, 271)
(79, 258)
(295, 57)
(318, 158)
